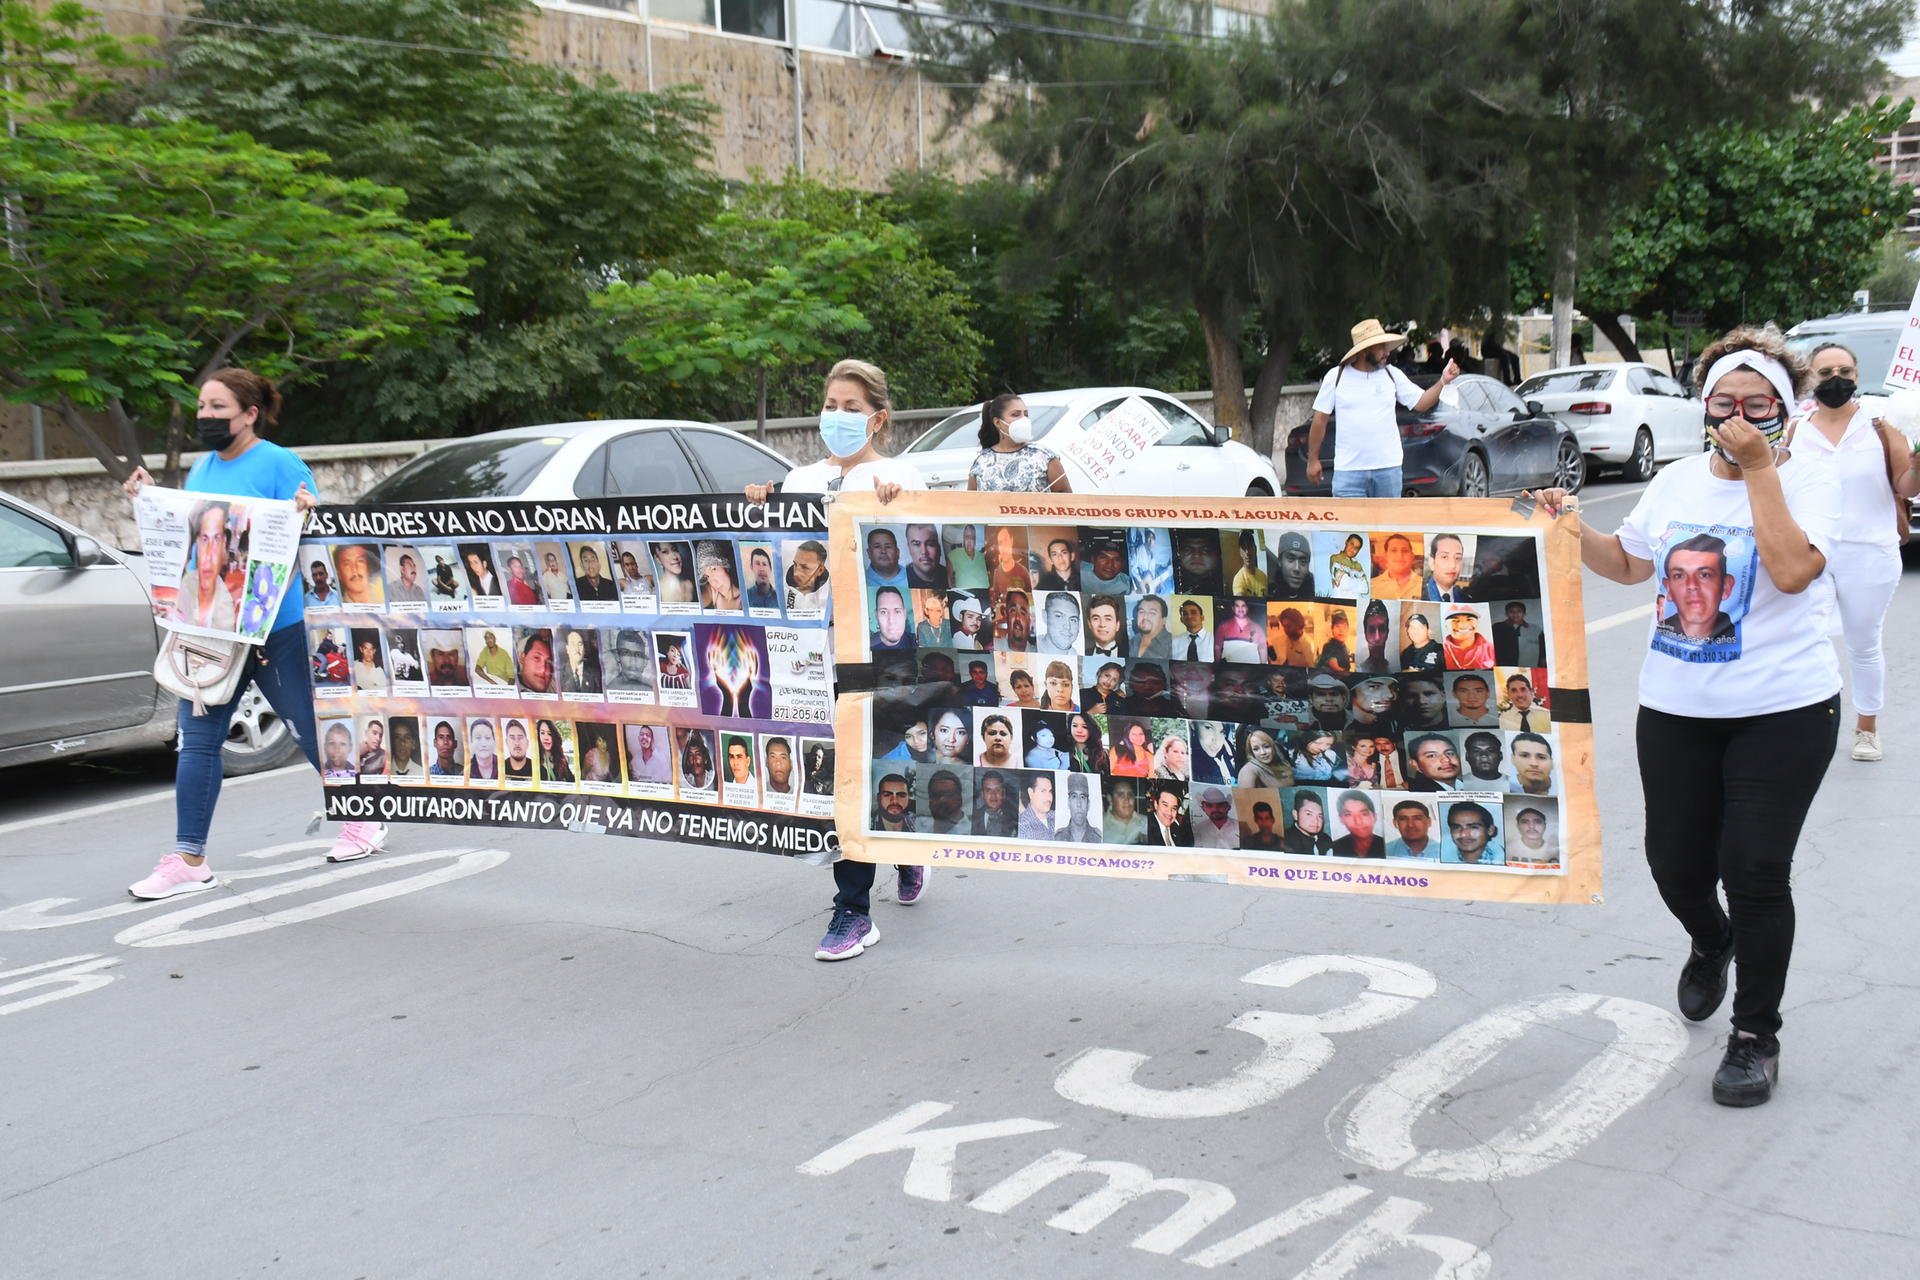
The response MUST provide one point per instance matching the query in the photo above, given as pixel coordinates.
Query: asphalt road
(555, 1055)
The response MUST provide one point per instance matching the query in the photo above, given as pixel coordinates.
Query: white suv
(1628, 416)
(1193, 460)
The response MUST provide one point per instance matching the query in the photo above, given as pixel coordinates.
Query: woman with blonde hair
(1739, 688)
(855, 412)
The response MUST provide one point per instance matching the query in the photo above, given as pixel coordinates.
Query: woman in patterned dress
(1008, 461)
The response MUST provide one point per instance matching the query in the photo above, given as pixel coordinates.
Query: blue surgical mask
(843, 431)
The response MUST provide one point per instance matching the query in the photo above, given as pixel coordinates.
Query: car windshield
(496, 468)
(1873, 348)
(1567, 381)
(962, 430)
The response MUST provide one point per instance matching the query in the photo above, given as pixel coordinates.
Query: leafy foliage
(1754, 224)
(143, 258)
(561, 186)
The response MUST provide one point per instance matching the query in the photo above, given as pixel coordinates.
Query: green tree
(1896, 273)
(140, 259)
(1752, 224)
(791, 313)
(561, 185)
(916, 312)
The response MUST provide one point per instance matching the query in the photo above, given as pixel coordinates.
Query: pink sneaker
(172, 876)
(358, 840)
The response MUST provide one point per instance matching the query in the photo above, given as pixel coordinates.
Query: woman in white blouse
(1879, 471)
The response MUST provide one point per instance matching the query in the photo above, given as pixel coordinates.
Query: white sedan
(1629, 416)
(637, 456)
(1193, 459)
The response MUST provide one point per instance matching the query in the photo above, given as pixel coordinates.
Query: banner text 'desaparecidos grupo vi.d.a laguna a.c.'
(1381, 696)
(642, 666)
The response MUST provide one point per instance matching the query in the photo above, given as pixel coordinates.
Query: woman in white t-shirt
(1879, 471)
(1739, 692)
(854, 413)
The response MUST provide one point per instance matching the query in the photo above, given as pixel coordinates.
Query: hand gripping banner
(1366, 696)
(640, 666)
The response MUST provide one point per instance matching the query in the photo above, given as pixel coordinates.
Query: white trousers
(1864, 579)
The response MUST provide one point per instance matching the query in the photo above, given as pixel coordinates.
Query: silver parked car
(76, 670)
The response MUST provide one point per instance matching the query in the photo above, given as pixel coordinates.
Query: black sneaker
(1703, 982)
(1749, 1071)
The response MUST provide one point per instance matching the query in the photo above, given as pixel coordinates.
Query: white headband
(1765, 365)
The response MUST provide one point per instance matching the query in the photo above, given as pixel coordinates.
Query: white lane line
(1620, 619)
(167, 931)
(71, 815)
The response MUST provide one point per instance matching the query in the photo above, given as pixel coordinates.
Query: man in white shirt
(1361, 391)
(1217, 829)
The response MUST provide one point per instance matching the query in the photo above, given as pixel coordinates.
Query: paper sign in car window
(1123, 436)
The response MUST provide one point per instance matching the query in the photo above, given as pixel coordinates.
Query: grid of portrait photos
(1316, 692)
(692, 669)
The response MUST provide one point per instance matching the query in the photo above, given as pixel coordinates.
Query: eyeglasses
(1835, 371)
(1753, 408)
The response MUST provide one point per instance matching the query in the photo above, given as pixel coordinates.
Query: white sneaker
(1866, 745)
(358, 840)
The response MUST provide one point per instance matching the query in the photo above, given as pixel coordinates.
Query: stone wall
(81, 492)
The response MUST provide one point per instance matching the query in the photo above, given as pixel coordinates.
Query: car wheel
(1569, 467)
(257, 739)
(1259, 489)
(1474, 482)
(1639, 468)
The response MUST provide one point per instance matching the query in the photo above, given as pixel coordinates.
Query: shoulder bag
(202, 670)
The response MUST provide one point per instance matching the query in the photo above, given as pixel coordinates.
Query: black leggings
(1725, 803)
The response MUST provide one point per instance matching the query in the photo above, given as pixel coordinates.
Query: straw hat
(1370, 333)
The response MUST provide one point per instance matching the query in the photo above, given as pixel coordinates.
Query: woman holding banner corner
(234, 405)
(1739, 689)
(855, 412)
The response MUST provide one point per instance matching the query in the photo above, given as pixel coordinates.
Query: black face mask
(215, 433)
(1834, 392)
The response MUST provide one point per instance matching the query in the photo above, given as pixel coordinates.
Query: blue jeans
(1379, 482)
(281, 673)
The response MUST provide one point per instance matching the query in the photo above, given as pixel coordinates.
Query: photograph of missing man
(1532, 831)
(551, 568)
(476, 562)
(369, 667)
(446, 661)
(579, 660)
(943, 800)
(406, 576)
(516, 743)
(404, 764)
(1472, 833)
(332, 667)
(522, 576)
(337, 766)
(592, 577)
(371, 756)
(446, 579)
(357, 569)
(648, 765)
(533, 652)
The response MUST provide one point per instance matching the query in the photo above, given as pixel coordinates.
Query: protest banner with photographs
(1384, 696)
(639, 666)
(217, 564)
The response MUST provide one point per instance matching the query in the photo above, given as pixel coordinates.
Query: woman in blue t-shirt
(234, 404)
